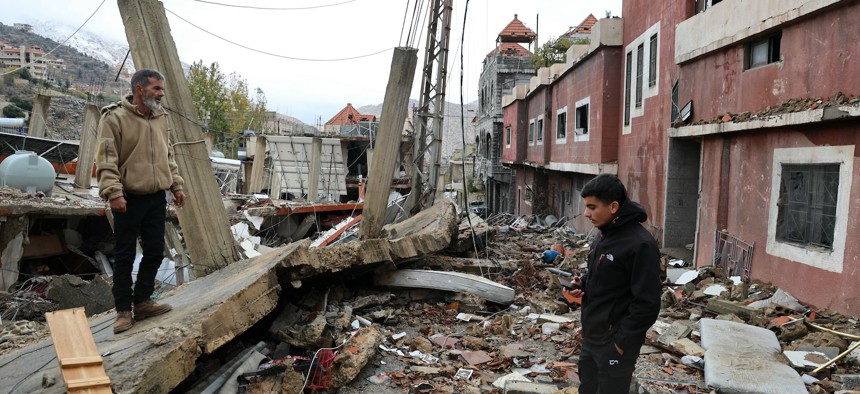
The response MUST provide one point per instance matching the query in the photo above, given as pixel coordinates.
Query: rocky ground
(395, 340)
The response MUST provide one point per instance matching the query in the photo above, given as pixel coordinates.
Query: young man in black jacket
(621, 291)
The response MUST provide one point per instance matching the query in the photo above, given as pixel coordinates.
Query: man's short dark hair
(606, 188)
(142, 76)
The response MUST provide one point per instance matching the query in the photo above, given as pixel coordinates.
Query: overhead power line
(275, 54)
(275, 8)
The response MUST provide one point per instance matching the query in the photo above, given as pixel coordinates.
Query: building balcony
(722, 25)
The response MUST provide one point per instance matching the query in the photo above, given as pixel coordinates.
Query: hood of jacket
(630, 212)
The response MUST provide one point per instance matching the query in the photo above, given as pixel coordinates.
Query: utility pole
(87, 147)
(431, 109)
(203, 219)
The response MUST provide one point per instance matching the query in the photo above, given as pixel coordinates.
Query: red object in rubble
(319, 371)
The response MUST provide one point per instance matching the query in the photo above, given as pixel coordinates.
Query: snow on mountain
(109, 51)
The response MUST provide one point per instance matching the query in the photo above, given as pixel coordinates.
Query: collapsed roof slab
(157, 354)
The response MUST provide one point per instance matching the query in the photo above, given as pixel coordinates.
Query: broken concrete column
(354, 356)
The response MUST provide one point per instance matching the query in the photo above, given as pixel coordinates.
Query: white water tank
(28, 172)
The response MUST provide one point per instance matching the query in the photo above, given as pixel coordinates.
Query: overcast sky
(347, 28)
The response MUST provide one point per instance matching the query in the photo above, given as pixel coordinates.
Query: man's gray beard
(152, 104)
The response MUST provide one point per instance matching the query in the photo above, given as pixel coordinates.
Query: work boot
(149, 308)
(123, 322)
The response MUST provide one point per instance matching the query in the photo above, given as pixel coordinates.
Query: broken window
(640, 65)
(676, 91)
(508, 136)
(652, 61)
(627, 83)
(807, 204)
(762, 52)
(582, 119)
(540, 129)
(561, 124)
(531, 132)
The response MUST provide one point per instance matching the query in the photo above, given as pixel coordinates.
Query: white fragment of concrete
(805, 359)
(715, 290)
(687, 277)
(511, 377)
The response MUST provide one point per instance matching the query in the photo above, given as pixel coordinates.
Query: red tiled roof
(516, 31)
(349, 115)
(510, 49)
(584, 27)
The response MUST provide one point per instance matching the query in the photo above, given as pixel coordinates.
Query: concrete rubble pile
(339, 332)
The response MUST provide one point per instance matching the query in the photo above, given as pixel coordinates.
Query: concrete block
(741, 358)
(677, 331)
(516, 387)
(849, 382)
(687, 347)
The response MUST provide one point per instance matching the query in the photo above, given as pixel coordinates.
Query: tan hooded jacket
(134, 153)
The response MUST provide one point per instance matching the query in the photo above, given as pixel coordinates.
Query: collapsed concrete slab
(741, 358)
(157, 354)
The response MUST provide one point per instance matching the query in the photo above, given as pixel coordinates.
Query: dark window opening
(532, 132)
(508, 135)
(652, 62)
(582, 120)
(763, 52)
(561, 125)
(540, 130)
(807, 204)
(627, 83)
(640, 65)
(676, 91)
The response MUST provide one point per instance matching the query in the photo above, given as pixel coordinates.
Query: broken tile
(475, 357)
(445, 342)
(513, 350)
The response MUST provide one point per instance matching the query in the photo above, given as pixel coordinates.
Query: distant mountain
(452, 136)
(111, 52)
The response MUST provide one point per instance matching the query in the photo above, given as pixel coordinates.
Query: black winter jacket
(622, 287)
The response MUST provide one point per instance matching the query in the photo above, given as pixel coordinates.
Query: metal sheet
(291, 162)
(57, 152)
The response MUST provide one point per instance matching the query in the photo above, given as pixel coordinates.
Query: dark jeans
(603, 371)
(144, 217)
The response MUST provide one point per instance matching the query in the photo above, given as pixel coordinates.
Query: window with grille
(652, 62)
(807, 204)
(627, 82)
(640, 66)
(508, 136)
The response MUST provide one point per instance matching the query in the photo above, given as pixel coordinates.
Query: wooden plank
(78, 356)
(87, 148)
(448, 281)
(204, 220)
(385, 155)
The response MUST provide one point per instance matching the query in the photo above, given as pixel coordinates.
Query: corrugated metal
(291, 161)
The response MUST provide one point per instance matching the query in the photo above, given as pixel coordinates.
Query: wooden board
(449, 281)
(78, 357)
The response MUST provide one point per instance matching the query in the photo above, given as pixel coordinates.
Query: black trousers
(144, 217)
(603, 371)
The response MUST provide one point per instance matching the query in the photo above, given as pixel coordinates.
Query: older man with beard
(136, 169)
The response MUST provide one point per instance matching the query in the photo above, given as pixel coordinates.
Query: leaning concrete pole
(204, 220)
(39, 116)
(394, 108)
(87, 147)
(314, 172)
(258, 167)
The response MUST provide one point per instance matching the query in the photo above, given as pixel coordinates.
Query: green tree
(12, 111)
(208, 91)
(25, 74)
(225, 105)
(26, 105)
(551, 52)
